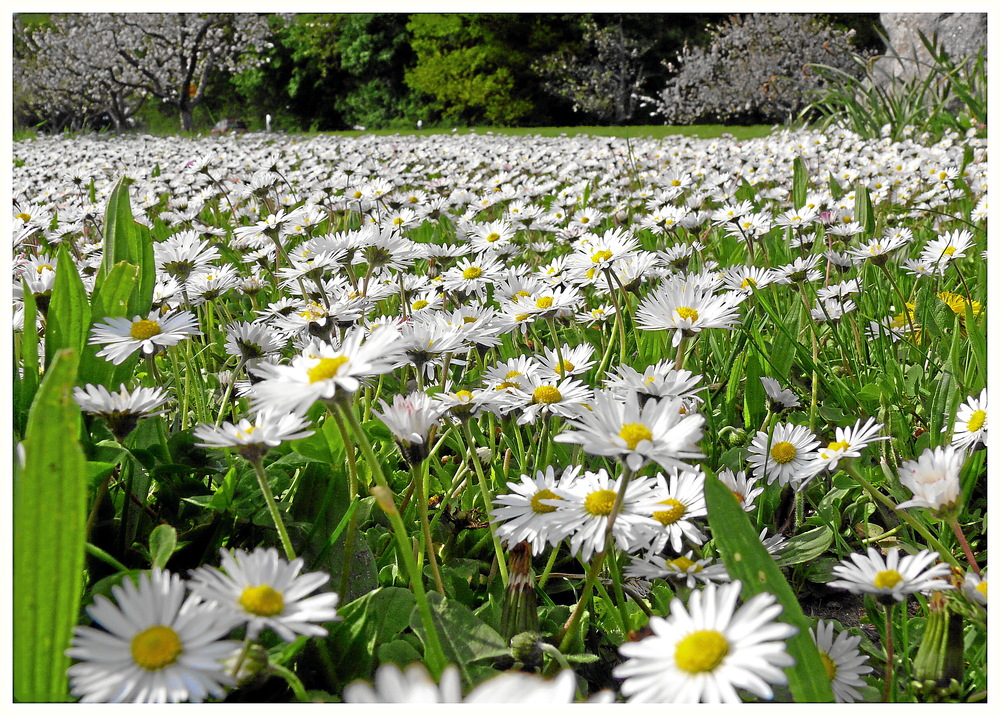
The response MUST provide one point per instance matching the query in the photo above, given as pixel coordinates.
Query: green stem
(428, 542)
(293, 681)
(272, 507)
(366, 447)
(95, 551)
(352, 487)
(549, 565)
(889, 656)
(965, 544)
(487, 500)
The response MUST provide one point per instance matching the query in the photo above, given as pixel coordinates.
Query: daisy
(687, 310)
(464, 404)
(849, 443)
(511, 373)
(574, 360)
(683, 569)
(945, 248)
(122, 410)
(891, 578)
(780, 399)
(661, 380)
(657, 431)
(843, 661)
(974, 587)
(322, 371)
(705, 653)
(565, 398)
(410, 419)
(266, 591)
(253, 440)
(933, 478)
(122, 336)
(677, 502)
(971, 423)
(156, 646)
(584, 506)
(744, 488)
(786, 455)
(523, 517)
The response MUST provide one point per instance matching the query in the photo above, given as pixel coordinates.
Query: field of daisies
(491, 419)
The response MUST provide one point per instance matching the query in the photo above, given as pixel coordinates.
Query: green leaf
(68, 315)
(162, 545)
(806, 546)
(109, 300)
(800, 183)
(399, 652)
(747, 560)
(28, 383)
(222, 499)
(50, 512)
(835, 189)
(465, 638)
(125, 240)
(863, 212)
(376, 618)
(755, 397)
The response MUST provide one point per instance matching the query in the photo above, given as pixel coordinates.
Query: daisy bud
(252, 665)
(939, 664)
(526, 648)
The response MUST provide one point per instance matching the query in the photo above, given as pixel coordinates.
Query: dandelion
(156, 646)
(705, 652)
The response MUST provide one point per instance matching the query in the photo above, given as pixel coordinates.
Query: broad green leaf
(465, 638)
(376, 618)
(754, 397)
(50, 512)
(109, 300)
(800, 183)
(399, 652)
(782, 351)
(977, 341)
(747, 560)
(68, 317)
(835, 189)
(162, 545)
(863, 213)
(125, 240)
(28, 383)
(806, 546)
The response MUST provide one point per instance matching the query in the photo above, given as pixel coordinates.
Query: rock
(960, 34)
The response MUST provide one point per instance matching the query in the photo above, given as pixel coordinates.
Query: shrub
(755, 69)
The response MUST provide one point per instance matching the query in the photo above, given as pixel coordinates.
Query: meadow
(494, 418)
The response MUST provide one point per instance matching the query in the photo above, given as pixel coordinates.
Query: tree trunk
(187, 119)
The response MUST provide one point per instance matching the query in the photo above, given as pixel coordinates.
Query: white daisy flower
(706, 652)
(933, 478)
(786, 455)
(849, 443)
(780, 399)
(523, 517)
(253, 440)
(122, 410)
(158, 647)
(743, 487)
(677, 502)
(971, 422)
(974, 587)
(267, 591)
(565, 398)
(843, 661)
(657, 431)
(686, 309)
(410, 419)
(893, 577)
(123, 336)
(683, 569)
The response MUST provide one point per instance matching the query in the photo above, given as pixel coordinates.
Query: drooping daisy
(933, 478)
(523, 517)
(156, 646)
(743, 487)
(849, 443)
(322, 371)
(122, 410)
(584, 506)
(786, 455)
(779, 398)
(267, 592)
(971, 422)
(660, 380)
(657, 431)
(123, 336)
(893, 577)
(706, 652)
(843, 661)
(410, 419)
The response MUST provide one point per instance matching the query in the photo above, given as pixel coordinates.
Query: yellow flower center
(472, 272)
(141, 330)
(508, 384)
(701, 651)
(684, 564)
(417, 305)
(522, 317)
(686, 313)
(888, 579)
(839, 445)
(23, 216)
(599, 256)
(326, 368)
(950, 251)
(599, 503)
(397, 221)
(544, 302)
(42, 267)
(547, 394)
(784, 452)
(739, 497)
(981, 588)
(468, 319)
(748, 282)
(493, 237)
(262, 601)
(564, 368)
(831, 668)
(156, 647)
(668, 517)
(976, 421)
(513, 374)
(634, 433)
(536, 502)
